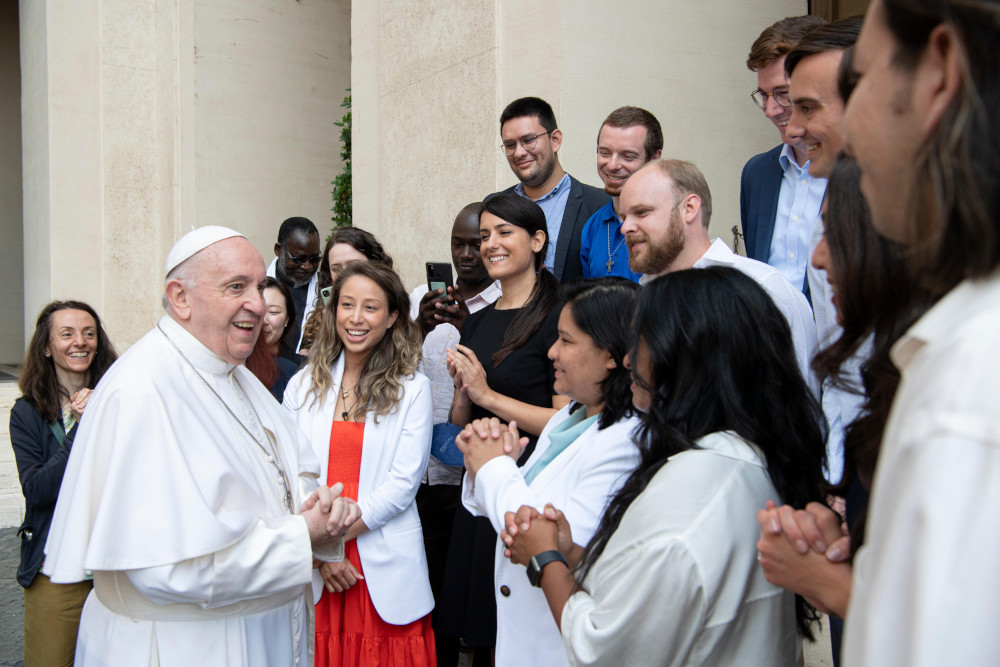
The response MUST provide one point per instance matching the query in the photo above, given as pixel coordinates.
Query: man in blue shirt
(629, 138)
(779, 199)
(531, 142)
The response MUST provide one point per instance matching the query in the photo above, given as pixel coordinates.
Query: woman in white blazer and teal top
(368, 415)
(582, 457)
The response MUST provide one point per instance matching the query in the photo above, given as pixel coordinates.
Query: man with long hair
(923, 125)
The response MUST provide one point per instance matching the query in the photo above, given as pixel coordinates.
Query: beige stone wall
(427, 107)
(144, 118)
(12, 245)
(269, 77)
(425, 96)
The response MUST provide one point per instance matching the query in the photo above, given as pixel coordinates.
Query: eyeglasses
(527, 143)
(779, 96)
(302, 259)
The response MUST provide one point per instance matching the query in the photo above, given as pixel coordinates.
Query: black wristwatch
(538, 562)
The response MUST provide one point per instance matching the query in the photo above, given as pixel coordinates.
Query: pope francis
(190, 494)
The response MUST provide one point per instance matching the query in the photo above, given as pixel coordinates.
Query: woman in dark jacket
(68, 354)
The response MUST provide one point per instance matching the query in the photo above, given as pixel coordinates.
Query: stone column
(145, 118)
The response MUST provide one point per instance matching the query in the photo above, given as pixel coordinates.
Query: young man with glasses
(296, 258)
(531, 142)
(779, 200)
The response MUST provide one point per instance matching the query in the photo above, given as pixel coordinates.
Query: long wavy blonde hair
(380, 387)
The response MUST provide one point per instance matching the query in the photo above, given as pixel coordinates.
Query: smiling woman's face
(363, 315)
(507, 250)
(340, 255)
(581, 366)
(72, 341)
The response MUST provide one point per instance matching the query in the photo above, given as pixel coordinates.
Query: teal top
(560, 438)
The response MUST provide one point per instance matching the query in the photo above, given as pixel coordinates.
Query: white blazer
(394, 457)
(579, 481)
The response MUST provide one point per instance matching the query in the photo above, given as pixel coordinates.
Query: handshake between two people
(328, 515)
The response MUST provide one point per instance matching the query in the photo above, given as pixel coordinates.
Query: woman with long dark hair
(67, 356)
(368, 415)
(501, 369)
(876, 302)
(671, 576)
(583, 455)
(269, 361)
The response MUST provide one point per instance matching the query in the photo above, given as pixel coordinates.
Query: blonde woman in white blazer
(582, 457)
(368, 415)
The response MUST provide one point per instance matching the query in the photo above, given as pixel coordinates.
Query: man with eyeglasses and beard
(531, 142)
(296, 258)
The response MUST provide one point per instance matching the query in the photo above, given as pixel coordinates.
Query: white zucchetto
(194, 242)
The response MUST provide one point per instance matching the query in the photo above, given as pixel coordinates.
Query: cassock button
(505, 591)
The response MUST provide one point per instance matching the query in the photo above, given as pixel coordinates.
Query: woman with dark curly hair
(68, 354)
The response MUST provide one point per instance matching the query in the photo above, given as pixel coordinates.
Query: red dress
(349, 632)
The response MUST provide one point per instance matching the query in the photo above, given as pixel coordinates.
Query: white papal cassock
(182, 517)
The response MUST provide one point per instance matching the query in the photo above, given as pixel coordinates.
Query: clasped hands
(328, 515)
(78, 402)
(805, 551)
(486, 439)
(529, 532)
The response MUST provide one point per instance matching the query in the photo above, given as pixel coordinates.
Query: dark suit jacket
(583, 201)
(760, 185)
(41, 461)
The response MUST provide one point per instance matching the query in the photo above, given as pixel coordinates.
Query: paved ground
(11, 602)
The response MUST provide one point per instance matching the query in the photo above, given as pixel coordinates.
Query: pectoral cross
(611, 263)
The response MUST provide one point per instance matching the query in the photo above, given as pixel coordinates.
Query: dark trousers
(436, 506)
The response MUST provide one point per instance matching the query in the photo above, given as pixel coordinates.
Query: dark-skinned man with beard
(296, 258)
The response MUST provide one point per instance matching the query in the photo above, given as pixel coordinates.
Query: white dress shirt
(789, 300)
(926, 587)
(678, 583)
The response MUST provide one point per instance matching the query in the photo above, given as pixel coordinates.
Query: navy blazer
(583, 201)
(41, 462)
(760, 185)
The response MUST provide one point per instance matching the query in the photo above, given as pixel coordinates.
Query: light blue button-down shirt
(553, 204)
(799, 200)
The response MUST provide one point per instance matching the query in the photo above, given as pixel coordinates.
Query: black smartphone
(439, 277)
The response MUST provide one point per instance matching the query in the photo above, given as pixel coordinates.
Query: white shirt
(166, 492)
(789, 300)
(434, 364)
(579, 482)
(926, 586)
(678, 583)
